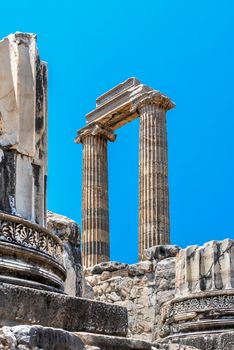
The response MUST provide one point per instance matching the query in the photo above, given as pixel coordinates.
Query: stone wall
(142, 288)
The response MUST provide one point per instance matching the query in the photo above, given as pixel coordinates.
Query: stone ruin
(171, 299)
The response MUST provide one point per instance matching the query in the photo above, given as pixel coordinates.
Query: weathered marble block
(23, 128)
(210, 267)
(30, 254)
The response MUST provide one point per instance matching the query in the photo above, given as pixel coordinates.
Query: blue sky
(183, 48)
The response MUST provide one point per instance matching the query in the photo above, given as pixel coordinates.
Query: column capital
(95, 129)
(153, 97)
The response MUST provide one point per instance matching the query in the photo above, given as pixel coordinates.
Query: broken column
(95, 209)
(154, 222)
(23, 128)
(30, 254)
(204, 294)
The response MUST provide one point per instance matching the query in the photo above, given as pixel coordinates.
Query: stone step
(46, 338)
(22, 305)
(106, 342)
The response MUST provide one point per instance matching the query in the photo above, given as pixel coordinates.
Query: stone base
(202, 341)
(21, 305)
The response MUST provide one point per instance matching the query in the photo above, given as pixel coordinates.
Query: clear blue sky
(183, 48)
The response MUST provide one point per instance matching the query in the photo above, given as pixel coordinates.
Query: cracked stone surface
(69, 233)
(209, 267)
(23, 128)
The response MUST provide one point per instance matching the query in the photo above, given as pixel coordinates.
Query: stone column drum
(154, 225)
(95, 209)
(204, 290)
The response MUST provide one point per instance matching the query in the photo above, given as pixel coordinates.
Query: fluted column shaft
(154, 224)
(95, 213)
(95, 208)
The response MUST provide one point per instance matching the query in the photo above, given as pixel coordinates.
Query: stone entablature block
(119, 105)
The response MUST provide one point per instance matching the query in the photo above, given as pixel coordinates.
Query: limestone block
(33, 307)
(160, 252)
(107, 266)
(69, 232)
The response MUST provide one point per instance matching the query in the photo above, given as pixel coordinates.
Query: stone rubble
(38, 338)
(142, 288)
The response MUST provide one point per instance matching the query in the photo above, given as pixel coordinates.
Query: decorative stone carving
(18, 231)
(30, 255)
(142, 97)
(93, 130)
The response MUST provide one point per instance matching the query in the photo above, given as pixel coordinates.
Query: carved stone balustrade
(204, 298)
(30, 255)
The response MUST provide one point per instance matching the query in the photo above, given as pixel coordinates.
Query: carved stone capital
(95, 129)
(151, 98)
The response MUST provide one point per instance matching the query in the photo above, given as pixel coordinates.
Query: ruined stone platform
(22, 305)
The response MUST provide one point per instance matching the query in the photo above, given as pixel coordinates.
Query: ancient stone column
(23, 128)
(95, 210)
(204, 291)
(30, 254)
(154, 225)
